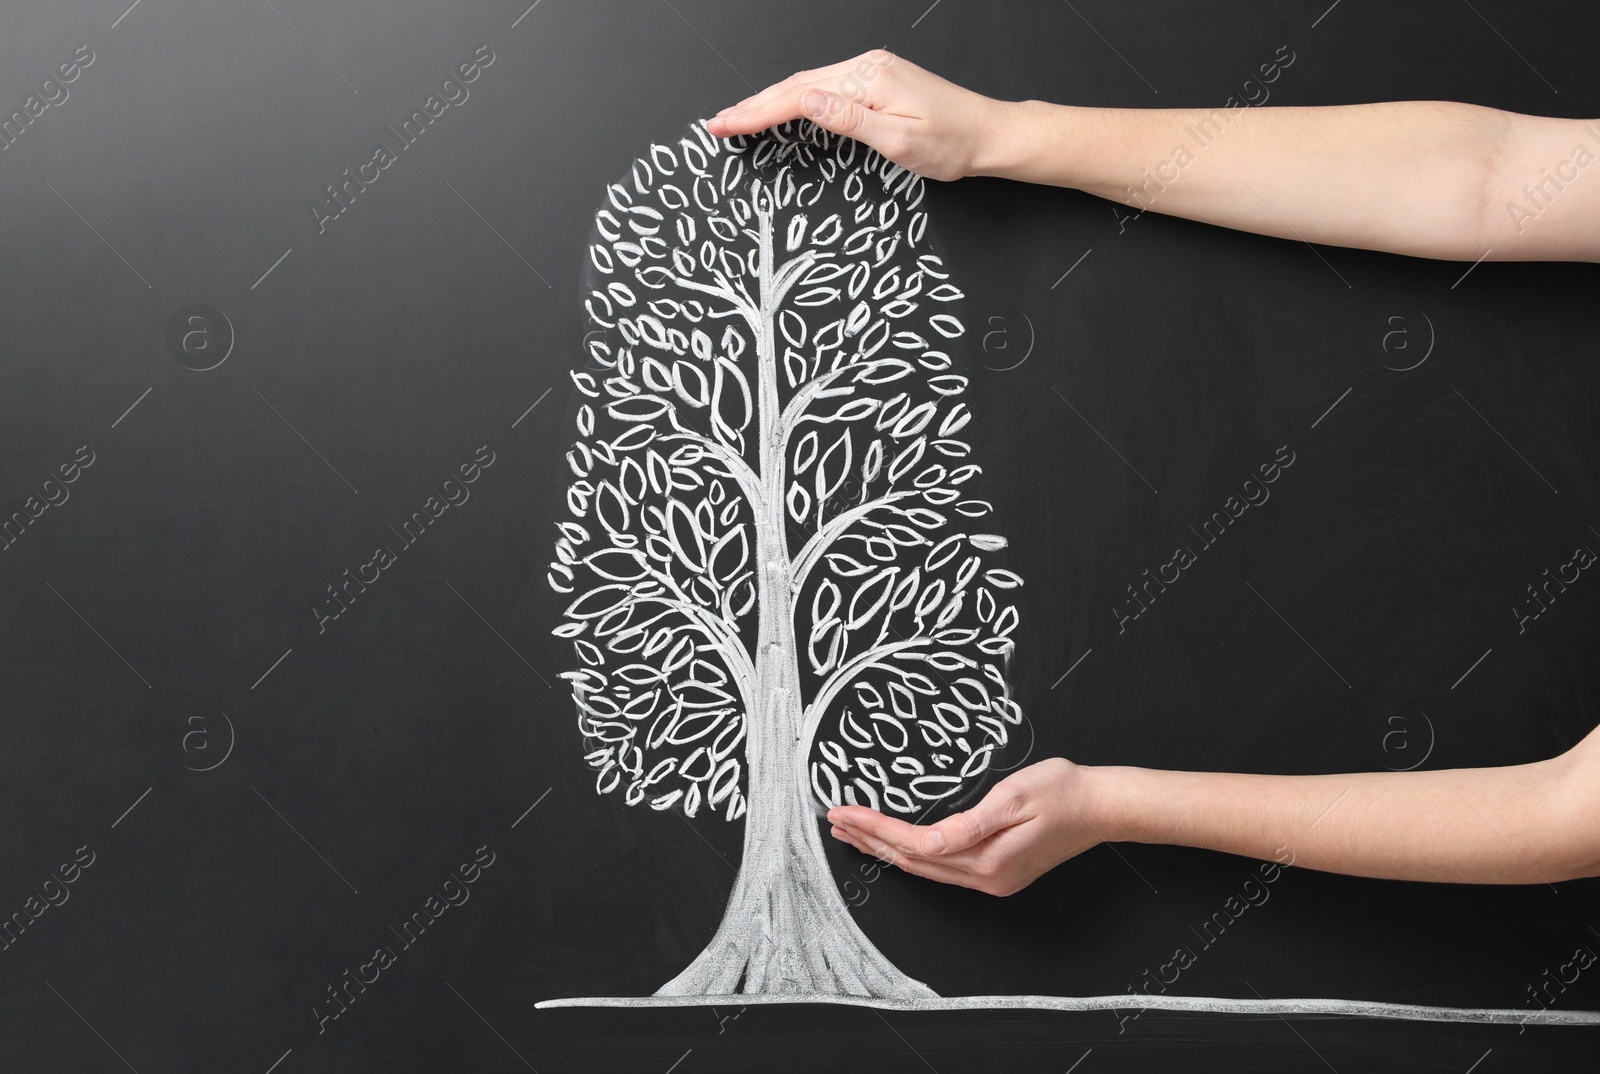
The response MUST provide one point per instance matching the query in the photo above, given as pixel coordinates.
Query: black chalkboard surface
(405, 492)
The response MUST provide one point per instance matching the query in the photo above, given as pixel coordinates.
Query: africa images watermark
(1539, 196)
(1254, 891)
(452, 91)
(1553, 983)
(52, 493)
(455, 891)
(343, 593)
(1207, 130)
(52, 92)
(1552, 586)
(55, 891)
(1253, 493)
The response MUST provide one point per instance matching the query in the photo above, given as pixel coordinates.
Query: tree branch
(808, 393)
(790, 271)
(844, 677)
(722, 290)
(738, 469)
(740, 292)
(722, 638)
(660, 576)
(823, 539)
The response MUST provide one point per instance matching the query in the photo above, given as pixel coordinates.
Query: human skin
(1429, 179)
(1425, 178)
(1518, 824)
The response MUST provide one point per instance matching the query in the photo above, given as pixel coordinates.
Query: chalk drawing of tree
(779, 598)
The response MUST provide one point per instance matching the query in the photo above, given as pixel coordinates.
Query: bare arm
(1521, 824)
(1425, 178)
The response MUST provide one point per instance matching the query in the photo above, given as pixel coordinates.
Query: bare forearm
(1426, 178)
(1519, 824)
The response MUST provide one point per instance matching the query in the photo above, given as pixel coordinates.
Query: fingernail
(933, 843)
(815, 102)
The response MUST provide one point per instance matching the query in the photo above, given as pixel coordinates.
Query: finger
(868, 844)
(949, 836)
(796, 79)
(831, 111)
(931, 870)
(865, 843)
(864, 68)
(897, 833)
(965, 869)
(845, 835)
(777, 105)
(999, 809)
(896, 854)
(761, 103)
(839, 85)
(860, 843)
(958, 832)
(761, 97)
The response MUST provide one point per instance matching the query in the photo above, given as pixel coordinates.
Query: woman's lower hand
(1030, 822)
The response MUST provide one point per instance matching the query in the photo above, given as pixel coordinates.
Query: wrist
(1109, 804)
(1004, 138)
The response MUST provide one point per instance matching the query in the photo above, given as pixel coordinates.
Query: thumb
(844, 116)
(962, 830)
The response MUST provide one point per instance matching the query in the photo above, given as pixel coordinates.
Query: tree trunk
(786, 929)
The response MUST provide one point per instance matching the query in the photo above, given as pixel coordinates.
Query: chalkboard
(316, 366)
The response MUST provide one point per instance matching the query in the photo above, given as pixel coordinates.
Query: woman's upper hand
(1030, 822)
(913, 117)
